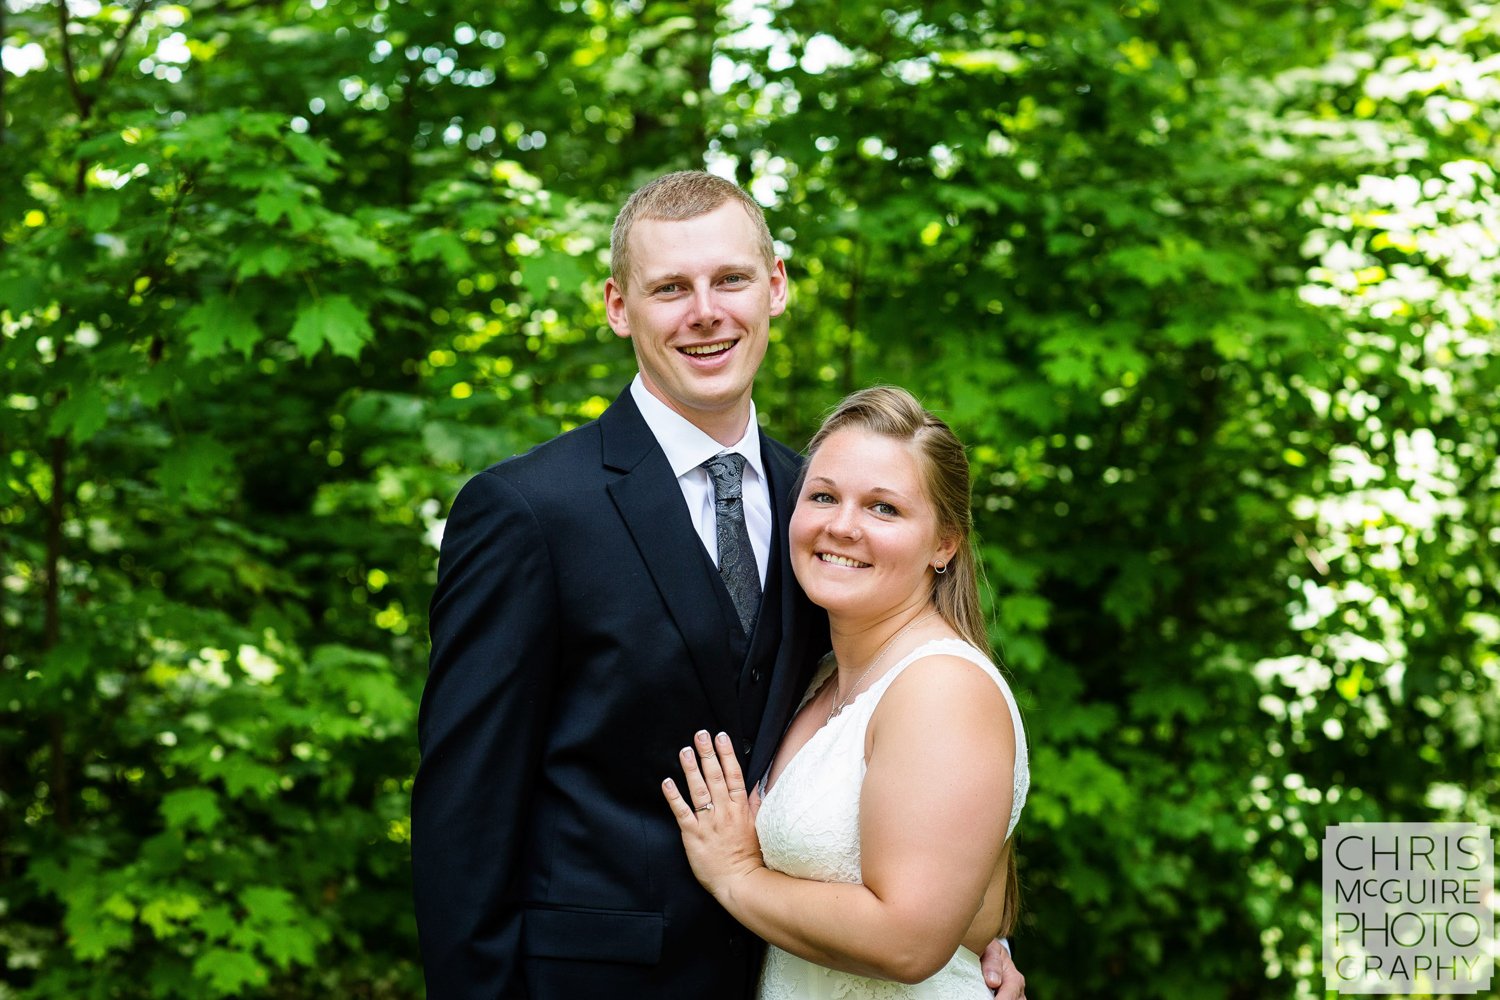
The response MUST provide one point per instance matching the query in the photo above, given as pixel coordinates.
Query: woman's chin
(830, 596)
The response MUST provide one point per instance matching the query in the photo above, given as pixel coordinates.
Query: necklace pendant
(840, 705)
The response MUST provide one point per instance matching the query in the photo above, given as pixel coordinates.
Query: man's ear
(614, 308)
(780, 286)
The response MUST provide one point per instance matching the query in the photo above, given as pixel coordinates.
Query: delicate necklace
(860, 679)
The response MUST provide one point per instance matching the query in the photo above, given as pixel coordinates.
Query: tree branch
(851, 311)
(84, 102)
(155, 252)
(112, 61)
(230, 10)
(3, 77)
(70, 66)
(52, 623)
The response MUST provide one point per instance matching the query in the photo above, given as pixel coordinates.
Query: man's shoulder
(545, 481)
(783, 463)
(780, 451)
(571, 452)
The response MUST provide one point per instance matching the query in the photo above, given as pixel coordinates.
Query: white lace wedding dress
(809, 827)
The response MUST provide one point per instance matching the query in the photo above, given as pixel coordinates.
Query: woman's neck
(858, 644)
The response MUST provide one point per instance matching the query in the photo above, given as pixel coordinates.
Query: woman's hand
(717, 819)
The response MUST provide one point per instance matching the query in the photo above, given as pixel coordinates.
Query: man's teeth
(829, 557)
(698, 350)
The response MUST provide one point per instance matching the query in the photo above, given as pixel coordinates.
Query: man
(600, 599)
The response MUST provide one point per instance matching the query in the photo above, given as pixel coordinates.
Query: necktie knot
(727, 471)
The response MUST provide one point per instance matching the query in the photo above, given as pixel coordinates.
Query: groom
(600, 599)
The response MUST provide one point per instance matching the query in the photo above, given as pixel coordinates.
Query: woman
(877, 846)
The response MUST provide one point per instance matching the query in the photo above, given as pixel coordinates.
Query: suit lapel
(650, 503)
(789, 676)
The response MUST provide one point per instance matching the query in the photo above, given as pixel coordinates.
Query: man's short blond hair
(686, 194)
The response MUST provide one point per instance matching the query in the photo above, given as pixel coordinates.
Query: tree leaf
(440, 243)
(92, 939)
(345, 236)
(271, 259)
(80, 416)
(21, 293)
(195, 472)
(229, 972)
(191, 807)
(218, 321)
(333, 320)
(269, 904)
(165, 913)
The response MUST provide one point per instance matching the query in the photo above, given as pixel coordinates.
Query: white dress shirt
(687, 448)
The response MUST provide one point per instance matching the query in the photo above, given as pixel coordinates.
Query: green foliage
(1210, 290)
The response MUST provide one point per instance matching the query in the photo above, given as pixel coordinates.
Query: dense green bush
(1210, 290)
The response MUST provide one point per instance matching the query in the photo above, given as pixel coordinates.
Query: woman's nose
(844, 523)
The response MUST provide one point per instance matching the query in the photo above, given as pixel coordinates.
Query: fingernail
(723, 738)
(702, 735)
(686, 751)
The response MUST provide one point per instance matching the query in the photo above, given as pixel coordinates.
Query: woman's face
(864, 536)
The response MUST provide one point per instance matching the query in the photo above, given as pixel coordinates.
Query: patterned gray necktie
(736, 558)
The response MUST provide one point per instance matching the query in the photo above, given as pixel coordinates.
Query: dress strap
(826, 666)
(940, 647)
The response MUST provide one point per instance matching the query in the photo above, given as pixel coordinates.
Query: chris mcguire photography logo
(1408, 908)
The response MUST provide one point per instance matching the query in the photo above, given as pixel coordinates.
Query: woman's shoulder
(944, 660)
(945, 700)
(945, 669)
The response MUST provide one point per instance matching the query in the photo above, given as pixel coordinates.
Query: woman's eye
(820, 498)
(886, 510)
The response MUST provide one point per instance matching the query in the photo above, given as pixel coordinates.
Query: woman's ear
(947, 549)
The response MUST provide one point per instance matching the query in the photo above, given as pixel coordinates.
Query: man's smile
(707, 350)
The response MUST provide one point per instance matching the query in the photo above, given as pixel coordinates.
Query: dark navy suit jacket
(578, 641)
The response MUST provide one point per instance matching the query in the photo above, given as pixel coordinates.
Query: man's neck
(725, 426)
(727, 431)
(728, 426)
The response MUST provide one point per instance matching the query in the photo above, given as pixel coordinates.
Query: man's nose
(706, 312)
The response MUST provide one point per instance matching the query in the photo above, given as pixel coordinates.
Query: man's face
(698, 311)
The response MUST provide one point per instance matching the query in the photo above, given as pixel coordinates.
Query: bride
(874, 856)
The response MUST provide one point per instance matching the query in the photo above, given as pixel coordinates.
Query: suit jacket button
(746, 747)
(755, 676)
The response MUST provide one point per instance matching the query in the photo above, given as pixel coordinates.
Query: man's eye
(735, 279)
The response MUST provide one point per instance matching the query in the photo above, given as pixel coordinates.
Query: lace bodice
(809, 828)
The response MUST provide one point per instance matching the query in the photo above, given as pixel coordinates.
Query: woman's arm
(935, 803)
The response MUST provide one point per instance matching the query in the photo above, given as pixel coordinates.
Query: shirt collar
(684, 444)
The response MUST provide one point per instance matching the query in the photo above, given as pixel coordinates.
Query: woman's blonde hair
(895, 413)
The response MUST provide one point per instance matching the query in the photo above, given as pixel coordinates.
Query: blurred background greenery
(1210, 289)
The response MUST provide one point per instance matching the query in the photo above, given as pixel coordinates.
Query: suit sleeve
(494, 644)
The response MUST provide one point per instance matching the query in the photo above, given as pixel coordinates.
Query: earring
(940, 569)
